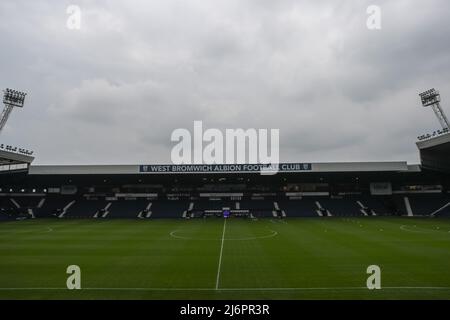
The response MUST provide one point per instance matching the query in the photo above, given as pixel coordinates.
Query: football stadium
(105, 195)
(310, 231)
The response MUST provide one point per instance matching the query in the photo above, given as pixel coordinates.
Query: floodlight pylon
(11, 99)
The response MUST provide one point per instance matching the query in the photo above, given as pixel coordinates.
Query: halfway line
(220, 256)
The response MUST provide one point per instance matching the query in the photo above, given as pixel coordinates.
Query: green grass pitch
(305, 258)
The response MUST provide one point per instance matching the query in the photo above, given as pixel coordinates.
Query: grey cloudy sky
(113, 91)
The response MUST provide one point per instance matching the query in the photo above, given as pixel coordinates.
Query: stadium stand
(26, 201)
(4, 206)
(426, 204)
(169, 208)
(305, 207)
(52, 206)
(127, 208)
(213, 204)
(10, 209)
(86, 208)
(444, 212)
(341, 206)
(378, 205)
(315, 190)
(45, 206)
(258, 208)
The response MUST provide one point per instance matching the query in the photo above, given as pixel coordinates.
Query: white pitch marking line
(230, 289)
(271, 235)
(405, 227)
(220, 256)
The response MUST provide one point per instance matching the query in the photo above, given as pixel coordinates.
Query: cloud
(114, 91)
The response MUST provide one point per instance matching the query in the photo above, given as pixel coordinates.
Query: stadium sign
(224, 168)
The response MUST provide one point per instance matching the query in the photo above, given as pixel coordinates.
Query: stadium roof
(8, 158)
(440, 141)
(393, 166)
(435, 152)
